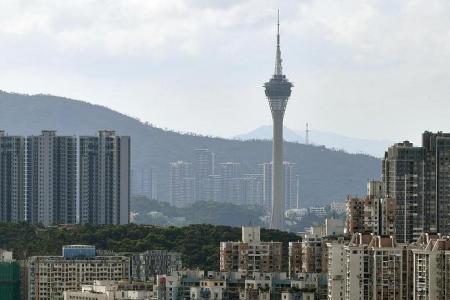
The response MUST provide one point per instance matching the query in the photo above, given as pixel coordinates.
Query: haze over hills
(325, 175)
(328, 139)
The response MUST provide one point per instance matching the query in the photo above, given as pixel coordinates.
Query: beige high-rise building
(373, 213)
(251, 255)
(295, 259)
(376, 267)
(431, 261)
(337, 271)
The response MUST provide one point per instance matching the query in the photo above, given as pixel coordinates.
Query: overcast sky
(376, 69)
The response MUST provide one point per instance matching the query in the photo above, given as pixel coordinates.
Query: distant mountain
(325, 175)
(328, 139)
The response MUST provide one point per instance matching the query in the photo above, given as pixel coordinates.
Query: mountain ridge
(325, 175)
(328, 139)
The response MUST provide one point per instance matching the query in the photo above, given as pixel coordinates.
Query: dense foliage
(199, 244)
(325, 175)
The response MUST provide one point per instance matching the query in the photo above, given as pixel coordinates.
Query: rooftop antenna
(278, 60)
(307, 134)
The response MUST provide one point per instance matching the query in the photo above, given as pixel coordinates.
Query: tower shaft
(277, 219)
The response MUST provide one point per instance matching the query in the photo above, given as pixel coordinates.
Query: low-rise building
(50, 276)
(146, 265)
(109, 290)
(251, 254)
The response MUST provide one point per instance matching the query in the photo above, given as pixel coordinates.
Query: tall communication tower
(278, 90)
(307, 134)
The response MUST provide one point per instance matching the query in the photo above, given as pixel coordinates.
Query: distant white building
(107, 290)
(6, 256)
(334, 226)
(318, 211)
(338, 207)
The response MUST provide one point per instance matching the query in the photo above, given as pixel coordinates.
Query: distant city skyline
(359, 66)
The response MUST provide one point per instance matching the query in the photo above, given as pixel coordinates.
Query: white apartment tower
(51, 179)
(182, 184)
(289, 185)
(104, 162)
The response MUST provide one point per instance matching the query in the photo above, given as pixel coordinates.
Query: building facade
(203, 168)
(144, 183)
(250, 255)
(50, 276)
(182, 184)
(289, 185)
(12, 178)
(104, 168)
(146, 265)
(51, 179)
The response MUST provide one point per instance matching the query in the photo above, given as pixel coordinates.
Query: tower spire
(278, 60)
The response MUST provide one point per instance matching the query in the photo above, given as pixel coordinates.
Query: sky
(374, 69)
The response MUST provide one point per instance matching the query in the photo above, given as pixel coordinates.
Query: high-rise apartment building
(232, 188)
(403, 178)
(418, 179)
(50, 276)
(289, 185)
(436, 174)
(182, 184)
(12, 178)
(51, 179)
(267, 185)
(253, 185)
(251, 255)
(213, 188)
(144, 183)
(312, 254)
(203, 168)
(295, 259)
(104, 168)
(336, 255)
(431, 265)
(376, 268)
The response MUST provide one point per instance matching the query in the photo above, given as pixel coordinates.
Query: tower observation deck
(278, 90)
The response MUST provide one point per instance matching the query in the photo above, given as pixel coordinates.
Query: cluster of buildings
(320, 265)
(42, 177)
(413, 196)
(81, 270)
(204, 180)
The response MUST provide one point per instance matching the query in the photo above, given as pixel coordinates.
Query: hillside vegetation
(325, 175)
(198, 244)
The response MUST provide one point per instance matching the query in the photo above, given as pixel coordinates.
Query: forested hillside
(325, 175)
